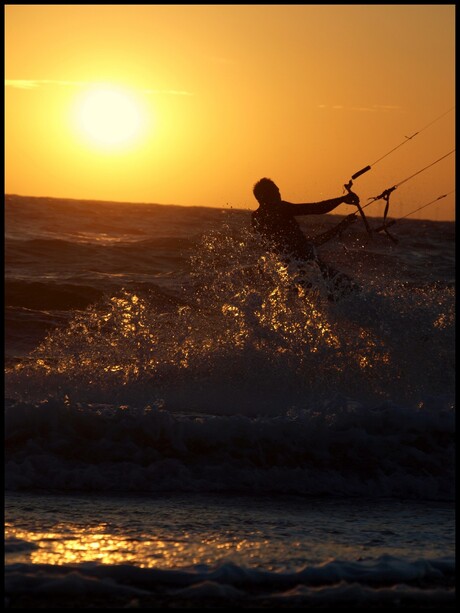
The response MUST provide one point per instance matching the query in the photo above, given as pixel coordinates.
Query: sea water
(186, 424)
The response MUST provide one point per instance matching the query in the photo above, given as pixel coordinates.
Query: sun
(110, 117)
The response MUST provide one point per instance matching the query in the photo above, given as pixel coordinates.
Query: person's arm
(319, 208)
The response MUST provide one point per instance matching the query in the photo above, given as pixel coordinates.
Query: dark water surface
(183, 425)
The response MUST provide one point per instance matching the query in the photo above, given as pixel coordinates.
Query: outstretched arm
(319, 208)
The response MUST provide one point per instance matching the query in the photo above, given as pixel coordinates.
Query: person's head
(266, 192)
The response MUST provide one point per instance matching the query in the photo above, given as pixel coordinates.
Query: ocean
(187, 426)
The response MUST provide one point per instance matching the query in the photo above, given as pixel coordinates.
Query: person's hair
(262, 188)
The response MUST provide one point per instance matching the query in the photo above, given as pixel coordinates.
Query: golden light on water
(125, 338)
(76, 544)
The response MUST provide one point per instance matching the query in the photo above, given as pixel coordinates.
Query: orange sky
(191, 105)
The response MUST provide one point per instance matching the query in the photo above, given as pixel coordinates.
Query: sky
(192, 104)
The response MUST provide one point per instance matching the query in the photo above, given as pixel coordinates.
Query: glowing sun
(109, 117)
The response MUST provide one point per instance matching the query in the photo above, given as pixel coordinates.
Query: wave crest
(249, 338)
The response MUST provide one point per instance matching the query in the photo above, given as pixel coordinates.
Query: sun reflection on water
(76, 544)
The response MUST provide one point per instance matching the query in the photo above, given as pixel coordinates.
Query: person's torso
(282, 231)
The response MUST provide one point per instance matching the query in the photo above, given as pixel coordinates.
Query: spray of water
(251, 337)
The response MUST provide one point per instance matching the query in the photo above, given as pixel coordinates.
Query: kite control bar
(360, 172)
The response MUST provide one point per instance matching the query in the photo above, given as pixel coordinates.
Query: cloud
(387, 107)
(362, 109)
(20, 84)
(171, 92)
(34, 83)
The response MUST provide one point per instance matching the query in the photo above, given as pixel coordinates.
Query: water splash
(250, 338)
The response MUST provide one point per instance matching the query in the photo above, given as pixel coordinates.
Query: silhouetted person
(275, 220)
